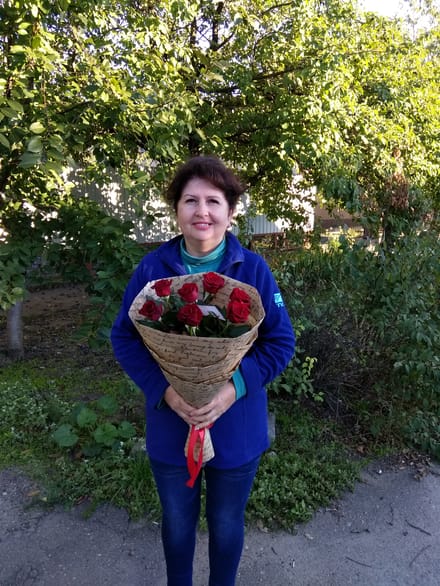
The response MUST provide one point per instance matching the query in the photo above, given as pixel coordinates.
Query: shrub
(97, 250)
(306, 467)
(372, 323)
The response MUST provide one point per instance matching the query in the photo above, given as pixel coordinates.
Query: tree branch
(281, 5)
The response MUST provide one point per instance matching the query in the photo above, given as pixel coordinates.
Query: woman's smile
(202, 225)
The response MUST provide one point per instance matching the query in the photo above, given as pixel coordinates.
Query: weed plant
(305, 467)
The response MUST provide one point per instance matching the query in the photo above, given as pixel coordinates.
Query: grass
(33, 405)
(308, 465)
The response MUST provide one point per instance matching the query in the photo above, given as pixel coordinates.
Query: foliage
(22, 405)
(274, 88)
(299, 87)
(14, 262)
(34, 408)
(66, 99)
(95, 249)
(348, 101)
(291, 483)
(35, 403)
(90, 429)
(81, 244)
(125, 481)
(423, 430)
(17, 256)
(26, 412)
(373, 326)
(296, 380)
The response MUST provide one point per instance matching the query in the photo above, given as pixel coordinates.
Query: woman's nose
(202, 208)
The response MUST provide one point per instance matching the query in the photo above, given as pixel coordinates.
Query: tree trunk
(15, 331)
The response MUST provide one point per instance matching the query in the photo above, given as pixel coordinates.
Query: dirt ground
(50, 319)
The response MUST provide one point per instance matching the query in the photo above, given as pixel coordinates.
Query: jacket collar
(169, 254)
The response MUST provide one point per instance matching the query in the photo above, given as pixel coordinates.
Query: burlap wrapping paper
(197, 367)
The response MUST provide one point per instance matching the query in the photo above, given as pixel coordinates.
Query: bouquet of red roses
(190, 311)
(219, 318)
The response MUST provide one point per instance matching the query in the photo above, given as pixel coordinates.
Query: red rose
(189, 292)
(238, 312)
(190, 315)
(151, 310)
(212, 282)
(163, 287)
(238, 294)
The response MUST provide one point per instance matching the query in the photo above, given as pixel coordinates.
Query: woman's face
(203, 215)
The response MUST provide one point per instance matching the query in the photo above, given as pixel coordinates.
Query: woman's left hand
(209, 413)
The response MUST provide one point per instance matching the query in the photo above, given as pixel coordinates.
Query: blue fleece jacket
(240, 434)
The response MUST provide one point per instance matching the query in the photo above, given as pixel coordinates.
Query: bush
(97, 250)
(372, 322)
(423, 430)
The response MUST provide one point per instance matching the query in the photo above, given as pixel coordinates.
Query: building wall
(115, 201)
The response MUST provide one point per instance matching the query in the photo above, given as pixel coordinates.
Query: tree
(76, 89)
(348, 101)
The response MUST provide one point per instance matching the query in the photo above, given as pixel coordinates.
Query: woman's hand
(179, 405)
(205, 415)
(209, 413)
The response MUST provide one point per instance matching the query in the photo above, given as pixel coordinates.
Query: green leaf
(126, 430)
(18, 49)
(16, 106)
(105, 434)
(4, 141)
(107, 404)
(35, 145)
(86, 417)
(37, 127)
(55, 154)
(238, 330)
(64, 436)
(155, 325)
(29, 159)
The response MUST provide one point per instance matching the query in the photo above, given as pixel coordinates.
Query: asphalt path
(385, 532)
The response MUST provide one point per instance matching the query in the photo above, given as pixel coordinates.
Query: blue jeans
(227, 493)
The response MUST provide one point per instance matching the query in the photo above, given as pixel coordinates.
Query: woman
(204, 194)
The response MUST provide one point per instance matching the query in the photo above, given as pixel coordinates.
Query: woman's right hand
(179, 406)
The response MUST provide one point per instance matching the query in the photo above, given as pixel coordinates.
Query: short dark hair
(210, 168)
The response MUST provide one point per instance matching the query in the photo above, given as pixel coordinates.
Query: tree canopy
(347, 101)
